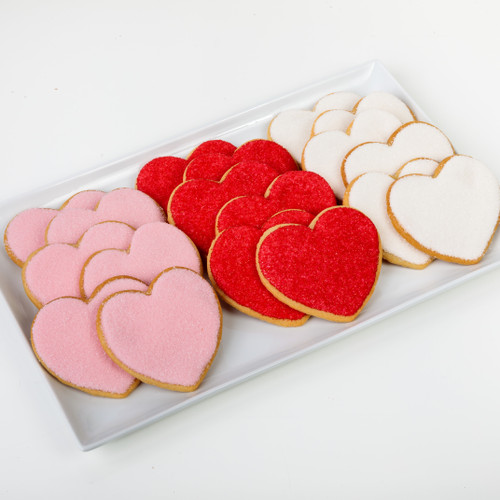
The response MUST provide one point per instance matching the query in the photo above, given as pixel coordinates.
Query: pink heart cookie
(123, 205)
(25, 233)
(167, 336)
(54, 270)
(153, 248)
(65, 341)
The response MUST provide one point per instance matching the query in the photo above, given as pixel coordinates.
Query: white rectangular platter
(249, 346)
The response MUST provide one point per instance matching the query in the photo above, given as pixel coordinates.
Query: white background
(406, 409)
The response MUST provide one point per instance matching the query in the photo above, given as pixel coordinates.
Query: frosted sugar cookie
(424, 166)
(167, 336)
(194, 205)
(300, 190)
(232, 270)
(328, 269)
(388, 102)
(25, 233)
(53, 271)
(123, 205)
(325, 152)
(64, 339)
(152, 248)
(451, 215)
(410, 141)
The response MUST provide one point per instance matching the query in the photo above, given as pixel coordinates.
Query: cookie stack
(120, 294)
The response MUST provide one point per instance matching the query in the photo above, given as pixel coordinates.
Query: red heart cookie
(214, 146)
(299, 189)
(159, 177)
(167, 336)
(328, 269)
(268, 152)
(210, 166)
(194, 205)
(232, 271)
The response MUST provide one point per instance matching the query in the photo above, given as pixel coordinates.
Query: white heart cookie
(368, 194)
(325, 152)
(411, 140)
(424, 166)
(332, 119)
(292, 128)
(337, 100)
(388, 102)
(452, 215)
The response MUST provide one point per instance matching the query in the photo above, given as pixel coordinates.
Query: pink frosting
(155, 246)
(26, 231)
(125, 205)
(65, 340)
(169, 337)
(54, 271)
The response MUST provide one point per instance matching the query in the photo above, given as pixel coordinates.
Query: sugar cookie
(367, 193)
(337, 100)
(451, 215)
(159, 177)
(325, 152)
(328, 269)
(388, 102)
(208, 166)
(410, 141)
(53, 271)
(424, 166)
(213, 146)
(194, 205)
(167, 336)
(124, 205)
(25, 233)
(64, 339)
(232, 270)
(152, 248)
(268, 152)
(301, 190)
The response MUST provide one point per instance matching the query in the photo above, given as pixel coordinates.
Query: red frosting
(208, 166)
(194, 204)
(291, 216)
(298, 189)
(233, 270)
(328, 269)
(213, 146)
(160, 177)
(268, 152)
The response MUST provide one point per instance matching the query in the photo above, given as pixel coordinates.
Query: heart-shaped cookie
(159, 177)
(424, 166)
(368, 193)
(232, 270)
(54, 270)
(451, 215)
(194, 205)
(325, 152)
(388, 102)
(301, 190)
(212, 146)
(210, 166)
(64, 339)
(123, 205)
(268, 152)
(410, 141)
(167, 336)
(25, 233)
(153, 248)
(328, 269)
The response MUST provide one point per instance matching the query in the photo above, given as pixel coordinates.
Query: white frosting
(387, 102)
(424, 166)
(337, 100)
(333, 119)
(292, 129)
(414, 140)
(325, 152)
(368, 193)
(453, 214)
